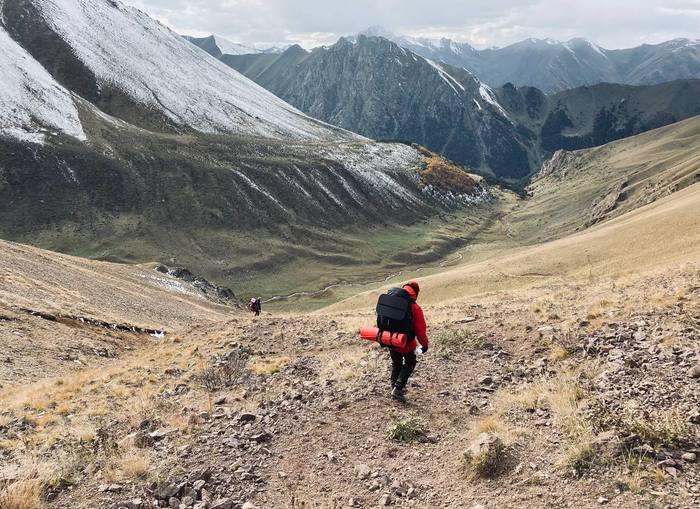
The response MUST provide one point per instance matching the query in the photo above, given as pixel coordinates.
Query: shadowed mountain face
(381, 90)
(121, 140)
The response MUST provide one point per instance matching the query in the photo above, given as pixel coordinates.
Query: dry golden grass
(23, 494)
(342, 364)
(558, 352)
(650, 240)
(268, 366)
(127, 464)
(496, 425)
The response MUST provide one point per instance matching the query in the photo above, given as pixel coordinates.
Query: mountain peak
(378, 31)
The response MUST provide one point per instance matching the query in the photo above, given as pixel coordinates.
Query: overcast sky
(612, 24)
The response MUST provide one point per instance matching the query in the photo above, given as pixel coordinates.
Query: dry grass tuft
(127, 465)
(579, 456)
(495, 424)
(268, 366)
(23, 494)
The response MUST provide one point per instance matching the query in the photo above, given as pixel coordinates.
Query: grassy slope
(662, 234)
(643, 168)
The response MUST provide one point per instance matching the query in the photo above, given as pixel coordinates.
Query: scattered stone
(603, 500)
(222, 503)
(467, 319)
(198, 485)
(486, 380)
(141, 439)
(247, 417)
(606, 444)
(690, 457)
(484, 454)
(166, 491)
(174, 503)
(261, 437)
(160, 434)
(111, 488)
(362, 471)
(136, 503)
(694, 372)
(385, 500)
(220, 400)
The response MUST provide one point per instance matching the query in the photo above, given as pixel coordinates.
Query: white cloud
(621, 23)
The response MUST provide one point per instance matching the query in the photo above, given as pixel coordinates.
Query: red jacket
(419, 327)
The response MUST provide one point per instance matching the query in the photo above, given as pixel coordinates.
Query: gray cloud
(612, 24)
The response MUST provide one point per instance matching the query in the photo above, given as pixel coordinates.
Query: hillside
(218, 46)
(590, 116)
(141, 147)
(59, 314)
(140, 178)
(575, 190)
(379, 89)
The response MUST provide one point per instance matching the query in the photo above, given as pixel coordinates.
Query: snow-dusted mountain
(32, 103)
(137, 69)
(552, 65)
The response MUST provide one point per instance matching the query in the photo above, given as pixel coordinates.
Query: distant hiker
(258, 306)
(255, 305)
(398, 312)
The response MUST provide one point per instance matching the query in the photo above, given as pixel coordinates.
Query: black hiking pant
(403, 365)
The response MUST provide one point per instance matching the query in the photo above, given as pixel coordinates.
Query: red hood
(411, 292)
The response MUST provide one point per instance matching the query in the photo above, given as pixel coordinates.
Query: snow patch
(448, 79)
(32, 103)
(487, 95)
(252, 184)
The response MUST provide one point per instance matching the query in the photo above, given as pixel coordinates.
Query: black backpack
(394, 312)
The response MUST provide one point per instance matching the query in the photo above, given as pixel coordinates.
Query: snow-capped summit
(232, 48)
(217, 46)
(378, 31)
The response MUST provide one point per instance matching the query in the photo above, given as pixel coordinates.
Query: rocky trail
(573, 411)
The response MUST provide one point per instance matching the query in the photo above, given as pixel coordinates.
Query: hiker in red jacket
(404, 359)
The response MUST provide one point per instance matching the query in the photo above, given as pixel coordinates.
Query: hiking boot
(398, 395)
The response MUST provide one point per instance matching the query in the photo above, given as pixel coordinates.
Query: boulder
(484, 455)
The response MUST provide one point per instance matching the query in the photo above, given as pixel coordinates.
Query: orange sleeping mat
(392, 340)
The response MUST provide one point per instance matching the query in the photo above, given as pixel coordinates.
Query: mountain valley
(151, 184)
